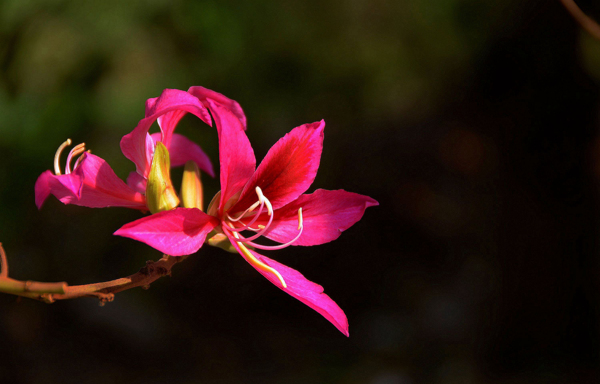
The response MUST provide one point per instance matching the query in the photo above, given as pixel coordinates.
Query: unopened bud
(191, 186)
(160, 194)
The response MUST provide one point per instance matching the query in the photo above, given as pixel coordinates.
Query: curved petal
(326, 214)
(289, 168)
(299, 287)
(183, 149)
(66, 188)
(203, 94)
(137, 182)
(178, 232)
(102, 188)
(171, 101)
(236, 156)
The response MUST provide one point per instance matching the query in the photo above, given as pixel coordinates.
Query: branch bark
(582, 19)
(105, 291)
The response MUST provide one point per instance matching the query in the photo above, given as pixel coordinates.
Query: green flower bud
(160, 194)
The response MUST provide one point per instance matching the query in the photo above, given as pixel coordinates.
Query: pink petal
(289, 168)
(133, 144)
(179, 232)
(302, 289)
(203, 94)
(66, 188)
(326, 214)
(235, 153)
(183, 149)
(137, 182)
(102, 188)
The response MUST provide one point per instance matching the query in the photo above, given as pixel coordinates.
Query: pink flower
(93, 183)
(266, 201)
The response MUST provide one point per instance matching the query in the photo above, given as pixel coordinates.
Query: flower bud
(160, 194)
(191, 186)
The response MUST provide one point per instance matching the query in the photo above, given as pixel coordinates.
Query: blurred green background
(474, 124)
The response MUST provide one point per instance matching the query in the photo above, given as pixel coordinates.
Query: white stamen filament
(242, 241)
(79, 159)
(252, 207)
(281, 246)
(247, 226)
(57, 156)
(77, 150)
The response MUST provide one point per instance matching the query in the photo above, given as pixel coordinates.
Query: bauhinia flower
(267, 201)
(91, 182)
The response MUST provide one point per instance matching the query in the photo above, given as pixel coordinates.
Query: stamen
(262, 197)
(270, 212)
(57, 156)
(252, 207)
(80, 158)
(77, 150)
(247, 226)
(255, 262)
(276, 247)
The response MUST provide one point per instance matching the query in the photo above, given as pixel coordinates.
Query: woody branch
(104, 291)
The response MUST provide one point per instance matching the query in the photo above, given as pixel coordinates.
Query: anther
(57, 156)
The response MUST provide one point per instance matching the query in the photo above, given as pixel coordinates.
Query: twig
(3, 263)
(582, 19)
(105, 292)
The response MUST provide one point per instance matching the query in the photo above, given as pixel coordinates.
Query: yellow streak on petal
(257, 263)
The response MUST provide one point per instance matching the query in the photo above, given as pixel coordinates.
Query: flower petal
(178, 232)
(183, 149)
(289, 168)
(326, 214)
(204, 93)
(66, 188)
(137, 182)
(179, 102)
(299, 287)
(102, 188)
(235, 153)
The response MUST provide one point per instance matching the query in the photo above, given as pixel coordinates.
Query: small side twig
(3, 263)
(582, 19)
(105, 291)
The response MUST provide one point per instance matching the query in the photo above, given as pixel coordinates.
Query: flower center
(246, 222)
(75, 151)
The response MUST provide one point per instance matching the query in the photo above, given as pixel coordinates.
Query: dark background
(473, 123)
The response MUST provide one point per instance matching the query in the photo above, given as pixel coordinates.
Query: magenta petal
(102, 188)
(289, 168)
(235, 153)
(179, 232)
(203, 94)
(137, 182)
(183, 149)
(326, 214)
(302, 289)
(66, 188)
(179, 102)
